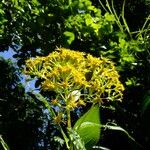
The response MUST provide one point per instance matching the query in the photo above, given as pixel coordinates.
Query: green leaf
(88, 20)
(59, 140)
(146, 103)
(70, 36)
(88, 127)
(109, 17)
(145, 114)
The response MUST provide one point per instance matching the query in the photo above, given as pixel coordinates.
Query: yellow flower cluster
(65, 71)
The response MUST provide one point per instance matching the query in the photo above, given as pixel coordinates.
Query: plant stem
(111, 127)
(52, 113)
(65, 137)
(102, 5)
(69, 119)
(4, 145)
(124, 20)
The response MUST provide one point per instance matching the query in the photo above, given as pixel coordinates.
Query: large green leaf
(88, 127)
(146, 103)
(146, 114)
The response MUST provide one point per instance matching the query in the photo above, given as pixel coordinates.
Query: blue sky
(9, 55)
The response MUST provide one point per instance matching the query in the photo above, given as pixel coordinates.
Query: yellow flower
(71, 105)
(93, 61)
(59, 118)
(66, 70)
(54, 102)
(48, 85)
(97, 100)
(65, 84)
(81, 103)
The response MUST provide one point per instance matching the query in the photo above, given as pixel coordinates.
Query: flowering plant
(77, 78)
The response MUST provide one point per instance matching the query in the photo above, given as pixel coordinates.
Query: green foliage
(75, 138)
(70, 37)
(145, 111)
(19, 113)
(88, 22)
(3, 21)
(146, 103)
(89, 127)
(77, 24)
